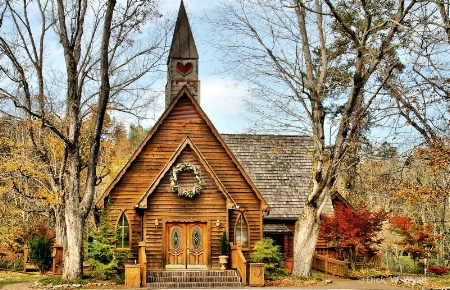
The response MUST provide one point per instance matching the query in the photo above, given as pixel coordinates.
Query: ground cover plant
(11, 278)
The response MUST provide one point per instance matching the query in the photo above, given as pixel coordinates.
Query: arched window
(241, 232)
(123, 232)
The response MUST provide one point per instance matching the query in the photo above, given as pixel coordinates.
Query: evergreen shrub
(224, 244)
(103, 256)
(265, 251)
(41, 253)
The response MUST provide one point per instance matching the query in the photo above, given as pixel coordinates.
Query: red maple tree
(416, 239)
(355, 233)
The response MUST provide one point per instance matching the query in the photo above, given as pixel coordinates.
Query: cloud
(222, 100)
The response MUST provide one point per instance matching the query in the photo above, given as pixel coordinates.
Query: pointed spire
(183, 45)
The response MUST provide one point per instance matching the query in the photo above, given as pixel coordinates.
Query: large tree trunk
(73, 255)
(74, 220)
(307, 230)
(60, 225)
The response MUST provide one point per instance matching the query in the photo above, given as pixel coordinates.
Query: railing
(330, 265)
(239, 262)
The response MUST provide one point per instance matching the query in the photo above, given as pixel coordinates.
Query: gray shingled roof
(280, 166)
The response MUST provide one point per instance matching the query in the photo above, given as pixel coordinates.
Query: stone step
(193, 279)
(208, 285)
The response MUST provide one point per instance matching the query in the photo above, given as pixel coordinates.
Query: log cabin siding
(164, 205)
(184, 119)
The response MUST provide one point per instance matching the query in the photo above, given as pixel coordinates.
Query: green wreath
(186, 166)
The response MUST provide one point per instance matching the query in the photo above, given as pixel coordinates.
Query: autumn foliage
(354, 232)
(416, 239)
(438, 270)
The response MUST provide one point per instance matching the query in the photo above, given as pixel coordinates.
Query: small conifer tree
(102, 253)
(224, 244)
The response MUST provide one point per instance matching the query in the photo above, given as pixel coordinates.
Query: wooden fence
(330, 265)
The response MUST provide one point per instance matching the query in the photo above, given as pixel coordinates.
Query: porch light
(156, 223)
(217, 223)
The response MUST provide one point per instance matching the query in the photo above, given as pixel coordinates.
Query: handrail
(242, 265)
(239, 262)
(330, 265)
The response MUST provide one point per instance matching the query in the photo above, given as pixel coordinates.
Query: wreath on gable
(198, 181)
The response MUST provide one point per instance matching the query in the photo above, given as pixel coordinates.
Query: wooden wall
(181, 121)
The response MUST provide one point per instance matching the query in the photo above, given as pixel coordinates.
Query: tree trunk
(74, 220)
(307, 230)
(73, 254)
(60, 225)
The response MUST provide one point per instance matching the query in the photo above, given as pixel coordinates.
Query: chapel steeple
(182, 65)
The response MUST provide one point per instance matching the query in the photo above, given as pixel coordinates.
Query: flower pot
(223, 260)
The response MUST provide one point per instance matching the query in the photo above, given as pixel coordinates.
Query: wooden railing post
(25, 257)
(57, 257)
(233, 256)
(142, 260)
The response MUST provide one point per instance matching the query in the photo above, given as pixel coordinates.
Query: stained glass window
(242, 232)
(196, 239)
(176, 239)
(123, 232)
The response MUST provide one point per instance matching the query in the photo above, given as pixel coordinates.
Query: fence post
(25, 257)
(57, 257)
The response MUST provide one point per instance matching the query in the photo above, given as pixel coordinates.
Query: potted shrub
(223, 258)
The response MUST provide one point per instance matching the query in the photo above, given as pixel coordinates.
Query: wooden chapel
(183, 186)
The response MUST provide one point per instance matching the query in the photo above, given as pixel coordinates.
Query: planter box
(256, 275)
(133, 276)
(288, 265)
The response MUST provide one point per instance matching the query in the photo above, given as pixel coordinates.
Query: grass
(438, 281)
(10, 278)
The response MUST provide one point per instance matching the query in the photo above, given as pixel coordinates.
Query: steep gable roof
(185, 95)
(187, 142)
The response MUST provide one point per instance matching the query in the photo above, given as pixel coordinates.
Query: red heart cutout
(184, 69)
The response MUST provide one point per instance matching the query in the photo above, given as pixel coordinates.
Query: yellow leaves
(435, 158)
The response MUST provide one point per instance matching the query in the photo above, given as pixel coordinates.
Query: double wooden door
(186, 246)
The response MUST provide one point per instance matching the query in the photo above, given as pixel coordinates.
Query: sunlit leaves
(416, 239)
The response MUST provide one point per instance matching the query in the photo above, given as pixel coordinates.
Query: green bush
(267, 252)
(11, 261)
(102, 253)
(41, 253)
(16, 264)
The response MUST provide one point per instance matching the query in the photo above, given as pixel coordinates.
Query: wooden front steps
(193, 279)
